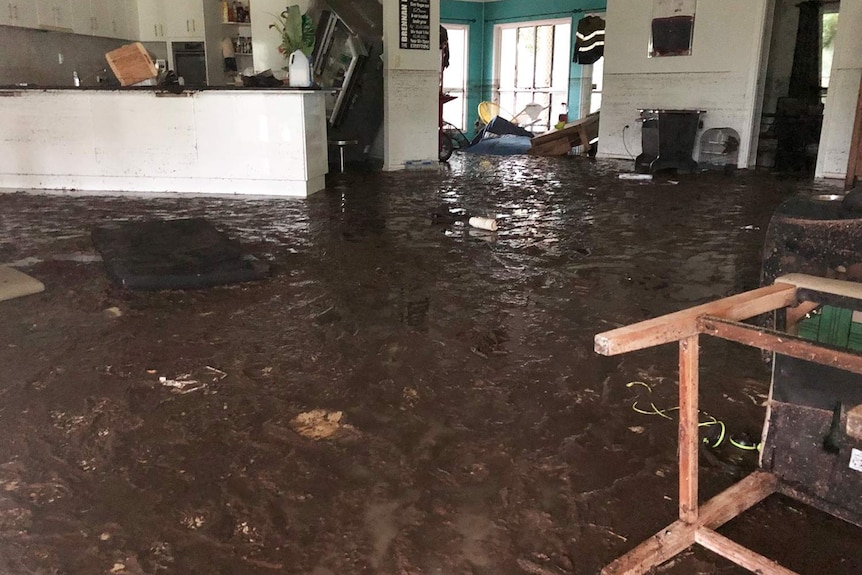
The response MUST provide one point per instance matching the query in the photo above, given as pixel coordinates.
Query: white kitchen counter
(257, 142)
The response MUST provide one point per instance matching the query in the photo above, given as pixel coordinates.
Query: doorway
(532, 67)
(455, 76)
(797, 80)
(591, 87)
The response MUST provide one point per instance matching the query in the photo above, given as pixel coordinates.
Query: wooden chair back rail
(679, 325)
(780, 342)
(722, 318)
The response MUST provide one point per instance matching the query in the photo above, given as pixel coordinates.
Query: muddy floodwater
(404, 395)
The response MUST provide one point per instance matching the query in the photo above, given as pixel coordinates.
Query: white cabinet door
(83, 17)
(102, 20)
(7, 14)
(19, 13)
(93, 18)
(54, 13)
(186, 19)
(151, 20)
(124, 19)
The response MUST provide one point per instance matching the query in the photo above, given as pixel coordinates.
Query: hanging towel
(589, 40)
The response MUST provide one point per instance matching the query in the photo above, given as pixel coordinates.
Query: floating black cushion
(173, 254)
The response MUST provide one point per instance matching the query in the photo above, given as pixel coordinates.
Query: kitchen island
(251, 141)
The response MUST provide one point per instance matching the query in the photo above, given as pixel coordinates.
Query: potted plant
(297, 32)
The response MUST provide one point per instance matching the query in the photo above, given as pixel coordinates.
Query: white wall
(843, 92)
(721, 76)
(264, 40)
(411, 80)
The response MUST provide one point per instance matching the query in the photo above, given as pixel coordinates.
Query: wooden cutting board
(131, 64)
(16, 284)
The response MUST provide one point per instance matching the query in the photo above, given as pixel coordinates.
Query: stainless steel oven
(190, 62)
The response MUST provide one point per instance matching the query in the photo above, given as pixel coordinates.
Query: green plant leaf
(297, 31)
(309, 35)
(293, 29)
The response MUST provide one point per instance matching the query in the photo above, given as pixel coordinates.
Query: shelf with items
(236, 13)
(242, 45)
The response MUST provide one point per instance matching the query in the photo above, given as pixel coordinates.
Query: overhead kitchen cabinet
(124, 15)
(19, 13)
(185, 19)
(162, 20)
(152, 21)
(108, 18)
(92, 17)
(54, 14)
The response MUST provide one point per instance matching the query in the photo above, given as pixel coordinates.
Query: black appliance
(190, 62)
(338, 63)
(347, 64)
(667, 140)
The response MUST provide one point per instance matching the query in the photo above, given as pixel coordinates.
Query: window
(672, 28)
(533, 68)
(455, 77)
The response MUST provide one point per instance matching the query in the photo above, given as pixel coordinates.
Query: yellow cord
(712, 420)
(745, 446)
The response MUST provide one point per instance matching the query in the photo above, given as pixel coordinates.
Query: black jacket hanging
(589, 40)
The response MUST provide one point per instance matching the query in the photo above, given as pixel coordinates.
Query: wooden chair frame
(698, 523)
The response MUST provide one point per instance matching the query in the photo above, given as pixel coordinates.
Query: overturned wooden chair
(814, 412)
(560, 142)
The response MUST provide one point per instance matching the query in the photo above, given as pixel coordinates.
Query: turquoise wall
(487, 15)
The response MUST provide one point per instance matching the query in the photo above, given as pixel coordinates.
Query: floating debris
(640, 177)
(318, 424)
(182, 384)
(489, 224)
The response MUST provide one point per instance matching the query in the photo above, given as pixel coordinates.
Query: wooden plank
(795, 314)
(737, 499)
(852, 290)
(779, 342)
(667, 543)
(854, 163)
(688, 428)
(553, 148)
(571, 130)
(678, 536)
(585, 139)
(682, 324)
(740, 555)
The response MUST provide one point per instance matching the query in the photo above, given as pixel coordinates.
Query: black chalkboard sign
(415, 20)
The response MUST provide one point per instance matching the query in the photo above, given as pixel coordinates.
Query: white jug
(299, 70)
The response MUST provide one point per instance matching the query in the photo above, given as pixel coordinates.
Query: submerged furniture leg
(678, 536)
(585, 140)
(740, 555)
(341, 145)
(688, 428)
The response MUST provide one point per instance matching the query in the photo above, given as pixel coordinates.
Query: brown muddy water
(479, 433)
